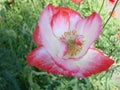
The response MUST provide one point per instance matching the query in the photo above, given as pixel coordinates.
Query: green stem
(101, 6)
(111, 14)
(38, 73)
(30, 81)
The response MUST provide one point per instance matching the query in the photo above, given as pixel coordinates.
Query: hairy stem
(101, 6)
(111, 14)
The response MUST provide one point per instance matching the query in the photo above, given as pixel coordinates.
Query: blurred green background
(17, 22)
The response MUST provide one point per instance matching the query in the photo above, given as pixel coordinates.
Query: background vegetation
(17, 22)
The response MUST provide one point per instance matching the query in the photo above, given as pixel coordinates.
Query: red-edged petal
(90, 28)
(36, 36)
(40, 58)
(77, 1)
(48, 39)
(60, 23)
(93, 62)
(66, 19)
(74, 16)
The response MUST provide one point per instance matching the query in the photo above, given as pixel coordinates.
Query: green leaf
(76, 87)
(36, 86)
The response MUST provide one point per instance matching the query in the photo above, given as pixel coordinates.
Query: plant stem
(101, 6)
(38, 73)
(111, 14)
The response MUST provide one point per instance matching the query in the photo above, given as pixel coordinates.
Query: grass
(17, 22)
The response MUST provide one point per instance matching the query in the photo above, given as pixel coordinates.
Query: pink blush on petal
(60, 23)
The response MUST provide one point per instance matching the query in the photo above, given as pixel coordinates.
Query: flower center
(74, 44)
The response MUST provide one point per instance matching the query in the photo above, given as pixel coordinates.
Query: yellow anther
(73, 48)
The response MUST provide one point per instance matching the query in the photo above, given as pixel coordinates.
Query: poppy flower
(77, 1)
(112, 1)
(63, 40)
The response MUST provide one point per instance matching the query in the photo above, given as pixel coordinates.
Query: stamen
(74, 43)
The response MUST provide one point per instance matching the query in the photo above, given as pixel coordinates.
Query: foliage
(17, 22)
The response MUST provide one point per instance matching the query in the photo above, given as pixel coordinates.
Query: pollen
(74, 43)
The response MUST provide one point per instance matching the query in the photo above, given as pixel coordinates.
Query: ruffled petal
(64, 20)
(48, 39)
(90, 28)
(75, 17)
(93, 62)
(60, 23)
(40, 58)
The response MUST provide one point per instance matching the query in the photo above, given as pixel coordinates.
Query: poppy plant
(77, 1)
(64, 43)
